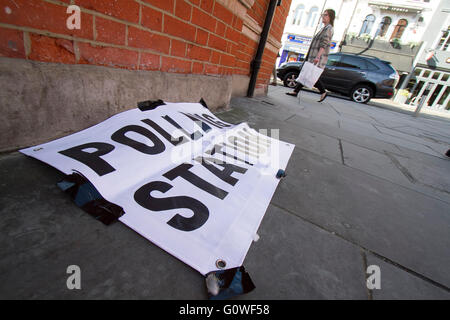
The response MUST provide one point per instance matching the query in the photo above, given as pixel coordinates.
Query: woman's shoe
(323, 96)
(291, 94)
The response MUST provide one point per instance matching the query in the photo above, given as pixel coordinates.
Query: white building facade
(405, 20)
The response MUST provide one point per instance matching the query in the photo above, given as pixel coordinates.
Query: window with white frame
(399, 29)
(312, 15)
(384, 26)
(367, 24)
(298, 14)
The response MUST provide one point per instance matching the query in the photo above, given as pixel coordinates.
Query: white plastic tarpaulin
(192, 184)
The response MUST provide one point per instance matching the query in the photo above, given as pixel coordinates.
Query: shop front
(295, 48)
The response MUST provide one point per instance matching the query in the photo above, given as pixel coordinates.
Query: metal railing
(431, 89)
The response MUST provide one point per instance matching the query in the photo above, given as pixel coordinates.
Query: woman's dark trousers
(318, 85)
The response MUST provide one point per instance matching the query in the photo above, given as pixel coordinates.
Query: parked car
(357, 76)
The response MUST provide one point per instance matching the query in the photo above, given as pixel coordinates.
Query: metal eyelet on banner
(221, 264)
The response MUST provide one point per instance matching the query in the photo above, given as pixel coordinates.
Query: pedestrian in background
(319, 50)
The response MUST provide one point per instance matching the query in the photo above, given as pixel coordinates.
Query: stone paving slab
(399, 284)
(436, 176)
(366, 141)
(401, 224)
(294, 259)
(426, 134)
(375, 163)
(437, 147)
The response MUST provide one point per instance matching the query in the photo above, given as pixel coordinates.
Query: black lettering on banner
(218, 123)
(201, 213)
(247, 145)
(183, 171)
(241, 149)
(92, 159)
(158, 145)
(164, 133)
(224, 174)
(205, 127)
(255, 137)
(194, 136)
(237, 150)
(200, 118)
(219, 149)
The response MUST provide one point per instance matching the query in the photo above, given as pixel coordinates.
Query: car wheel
(361, 93)
(289, 79)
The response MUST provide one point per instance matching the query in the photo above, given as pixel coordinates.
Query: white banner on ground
(192, 184)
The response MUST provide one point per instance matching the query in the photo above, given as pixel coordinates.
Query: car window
(387, 64)
(352, 62)
(371, 66)
(333, 60)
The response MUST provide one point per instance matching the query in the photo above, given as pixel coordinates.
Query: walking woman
(319, 49)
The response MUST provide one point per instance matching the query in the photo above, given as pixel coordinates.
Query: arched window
(367, 24)
(384, 26)
(399, 28)
(312, 15)
(298, 14)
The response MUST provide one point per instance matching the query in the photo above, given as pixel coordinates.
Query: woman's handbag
(309, 74)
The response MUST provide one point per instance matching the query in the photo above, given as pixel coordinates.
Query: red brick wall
(191, 37)
(258, 11)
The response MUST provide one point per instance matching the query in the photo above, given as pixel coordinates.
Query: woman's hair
(331, 15)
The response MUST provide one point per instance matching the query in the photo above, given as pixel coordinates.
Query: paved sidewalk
(365, 186)
(400, 107)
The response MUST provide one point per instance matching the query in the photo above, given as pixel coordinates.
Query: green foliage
(351, 35)
(366, 37)
(412, 45)
(396, 43)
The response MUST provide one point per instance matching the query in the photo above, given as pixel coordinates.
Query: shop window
(399, 29)
(367, 24)
(292, 56)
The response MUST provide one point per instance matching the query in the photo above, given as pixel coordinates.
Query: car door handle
(331, 68)
(362, 72)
